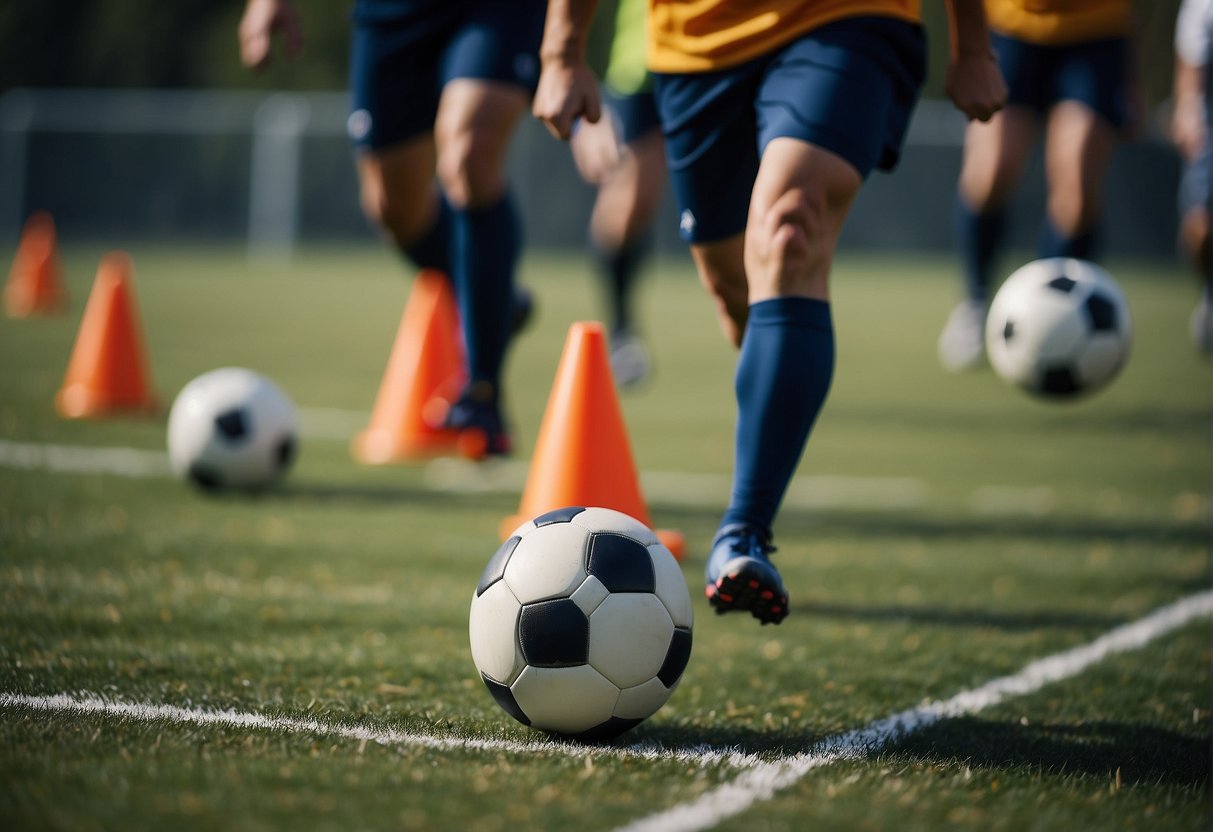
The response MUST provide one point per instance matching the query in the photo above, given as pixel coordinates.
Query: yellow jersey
(703, 35)
(1060, 22)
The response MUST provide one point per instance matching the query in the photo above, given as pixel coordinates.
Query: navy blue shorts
(405, 51)
(848, 87)
(1093, 73)
(635, 114)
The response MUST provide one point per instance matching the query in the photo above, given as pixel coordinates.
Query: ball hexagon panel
(548, 563)
(671, 586)
(495, 569)
(495, 648)
(554, 633)
(643, 700)
(630, 637)
(567, 700)
(595, 517)
(589, 595)
(621, 563)
(505, 699)
(232, 425)
(559, 515)
(677, 657)
(1100, 312)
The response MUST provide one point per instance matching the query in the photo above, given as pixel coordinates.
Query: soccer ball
(1059, 328)
(581, 623)
(232, 428)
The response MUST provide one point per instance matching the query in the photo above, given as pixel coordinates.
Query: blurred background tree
(192, 43)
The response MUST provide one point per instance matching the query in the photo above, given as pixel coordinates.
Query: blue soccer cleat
(482, 431)
(740, 575)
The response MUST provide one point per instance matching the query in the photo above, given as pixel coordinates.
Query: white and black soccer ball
(581, 623)
(1059, 328)
(232, 428)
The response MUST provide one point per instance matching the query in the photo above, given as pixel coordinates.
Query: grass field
(945, 531)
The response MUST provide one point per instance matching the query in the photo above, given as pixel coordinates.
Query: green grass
(343, 597)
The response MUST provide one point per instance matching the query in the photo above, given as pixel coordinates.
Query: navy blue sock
(978, 236)
(487, 243)
(783, 376)
(433, 249)
(1083, 245)
(619, 268)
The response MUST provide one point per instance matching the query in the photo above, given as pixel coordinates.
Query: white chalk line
(760, 779)
(93, 704)
(763, 781)
(670, 488)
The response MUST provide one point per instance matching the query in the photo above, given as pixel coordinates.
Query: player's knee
(1072, 211)
(402, 217)
(469, 170)
(789, 229)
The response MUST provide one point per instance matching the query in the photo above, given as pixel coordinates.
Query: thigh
(1027, 70)
(848, 87)
(995, 155)
(397, 185)
(496, 41)
(1078, 149)
(635, 114)
(393, 79)
(710, 132)
(1095, 74)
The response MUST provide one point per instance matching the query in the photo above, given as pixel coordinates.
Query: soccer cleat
(740, 575)
(629, 359)
(482, 431)
(962, 344)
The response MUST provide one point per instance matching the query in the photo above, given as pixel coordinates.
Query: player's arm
(263, 19)
(567, 88)
(973, 81)
(1188, 115)
(1192, 47)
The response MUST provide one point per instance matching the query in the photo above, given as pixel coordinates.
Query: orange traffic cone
(424, 373)
(582, 456)
(107, 372)
(35, 282)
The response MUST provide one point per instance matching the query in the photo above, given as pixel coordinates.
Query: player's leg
(1195, 232)
(1089, 109)
(1078, 150)
(817, 148)
(489, 71)
(994, 157)
(399, 196)
(627, 202)
(393, 72)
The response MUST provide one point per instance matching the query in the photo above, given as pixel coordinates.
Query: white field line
(77, 459)
(505, 476)
(762, 781)
(92, 704)
(760, 778)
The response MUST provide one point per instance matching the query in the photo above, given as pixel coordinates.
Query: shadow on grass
(1013, 621)
(1144, 754)
(928, 526)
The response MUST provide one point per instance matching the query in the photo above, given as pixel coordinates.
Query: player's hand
(263, 19)
(975, 85)
(596, 149)
(566, 93)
